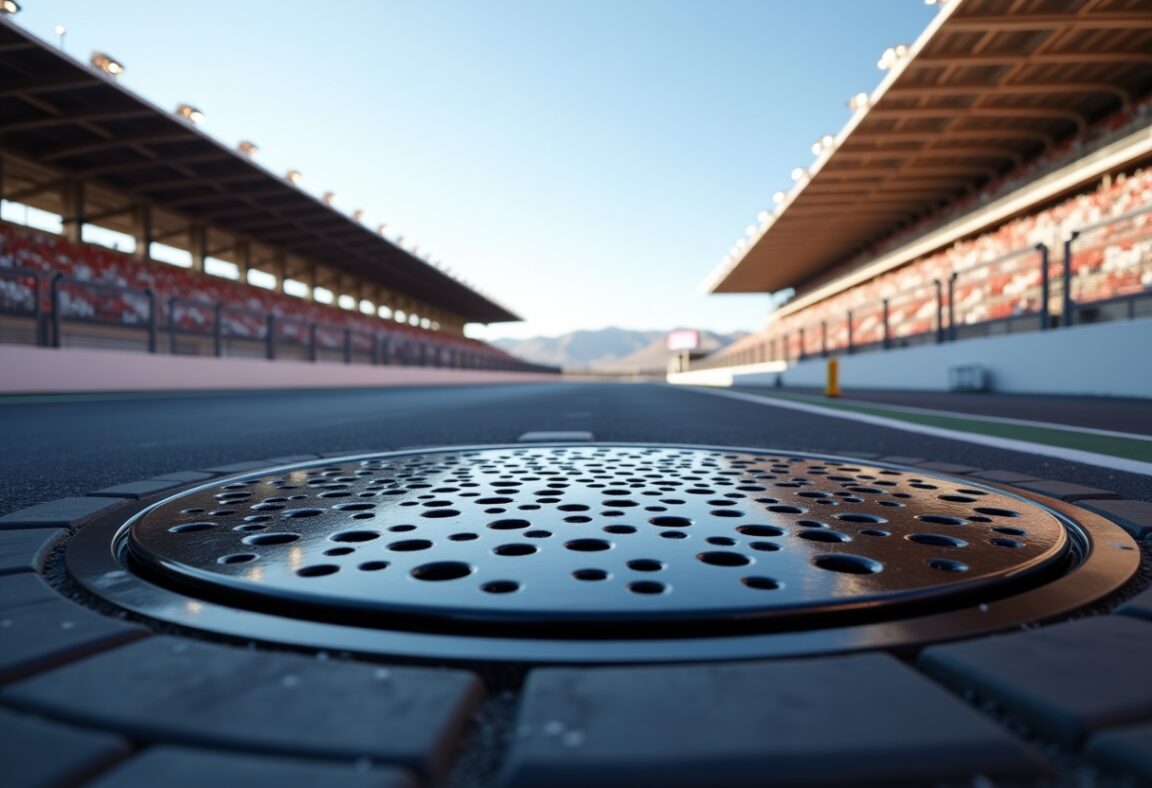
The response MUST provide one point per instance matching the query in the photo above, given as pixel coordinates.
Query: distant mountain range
(608, 349)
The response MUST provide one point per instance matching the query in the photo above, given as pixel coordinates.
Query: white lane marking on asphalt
(1011, 444)
(556, 436)
(953, 414)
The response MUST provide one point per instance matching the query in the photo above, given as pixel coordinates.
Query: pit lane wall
(38, 370)
(1105, 359)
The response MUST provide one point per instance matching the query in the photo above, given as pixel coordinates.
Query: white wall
(25, 370)
(1111, 359)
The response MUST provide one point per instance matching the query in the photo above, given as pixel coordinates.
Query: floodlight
(190, 113)
(248, 148)
(329, 197)
(9, 7)
(106, 63)
(358, 214)
(294, 176)
(382, 229)
(892, 56)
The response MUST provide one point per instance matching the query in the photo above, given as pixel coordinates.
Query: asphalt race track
(61, 446)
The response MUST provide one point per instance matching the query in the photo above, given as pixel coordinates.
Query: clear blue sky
(584, 162)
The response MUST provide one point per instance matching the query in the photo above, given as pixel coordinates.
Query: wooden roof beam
(74, 117)
(215, 197)
(949, 113)
(983, 90)
(1114, 20)
(183, 183)
(51, 84)
(1037, 58)
(148, 164)
(119, 142)
(951, 134)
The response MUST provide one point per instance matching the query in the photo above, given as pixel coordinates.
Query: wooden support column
(142, 231)
(280, 269)
(73, 199)
(198, 246)
(243, 253)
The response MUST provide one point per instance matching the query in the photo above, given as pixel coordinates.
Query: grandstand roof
(989, 85)
(80, 124)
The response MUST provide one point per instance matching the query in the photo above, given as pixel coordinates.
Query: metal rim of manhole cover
(601, 553)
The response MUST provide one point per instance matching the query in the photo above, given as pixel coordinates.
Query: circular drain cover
(595, 534)
(623, 543)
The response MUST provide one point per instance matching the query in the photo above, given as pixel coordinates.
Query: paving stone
(185, 476)
(1135, 517)
(137, 490)
(1066, 681)
(39, 629)
(832, 721)
(1139, 606)
(948, 467)
(24, 549)
(34, 752)
(1066, 491)
(901, 460)
(1005, 477)
(179, 767)
(188, 692)
(62, 513)
(1126, 750)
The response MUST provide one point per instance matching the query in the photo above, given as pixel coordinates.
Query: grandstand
(308, 282)
(997, 181)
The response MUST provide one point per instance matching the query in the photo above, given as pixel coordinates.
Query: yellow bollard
(832, 389)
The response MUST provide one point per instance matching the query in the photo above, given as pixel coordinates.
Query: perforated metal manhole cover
(589, 542)
(587, 534)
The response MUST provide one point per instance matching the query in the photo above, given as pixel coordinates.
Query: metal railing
(65, 311)
(1022, 290)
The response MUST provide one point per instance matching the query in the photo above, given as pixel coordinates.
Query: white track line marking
(953, 414)
(1011, 444)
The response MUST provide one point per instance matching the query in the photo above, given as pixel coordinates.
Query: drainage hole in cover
(848, 564)
(515, 549)
(724, 558)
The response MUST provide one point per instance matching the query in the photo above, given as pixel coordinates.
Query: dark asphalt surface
(64, 446)
(1102, 413)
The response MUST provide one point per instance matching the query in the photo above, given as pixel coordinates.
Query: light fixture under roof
(358, 214)
(248, 148)
(9, 7)
(859, 101)
(106, 63)
(329, 197)
(293, 176)
(382, 229)
(892, 56)
(190, 113)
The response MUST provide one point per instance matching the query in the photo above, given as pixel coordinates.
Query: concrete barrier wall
(1109, 359)
(25, 370)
